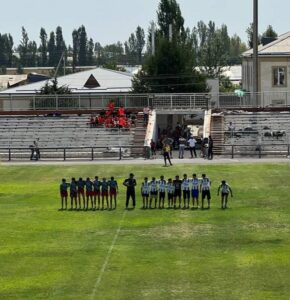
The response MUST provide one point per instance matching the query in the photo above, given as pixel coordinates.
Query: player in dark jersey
(113, 185)
(145, 190)
(185, 186)
(97, 191)
(73, 193)
(63, 193)
(162, 188)
(177, 190)
(170, 193)
(81, 192)
(105, 192)
(130, 183)
(89, 193)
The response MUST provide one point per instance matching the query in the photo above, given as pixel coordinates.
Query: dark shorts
(113, 192)
(145, 195)
(89, 193)
(225, 194)
(177, 193)
(81, 191)
(73, 194)
(63, 194)
(186, 194)
(105, 193)
(194, 193)
(170, 196)
(205, 194)
(97, 193)
(153, 193)
(162, 194)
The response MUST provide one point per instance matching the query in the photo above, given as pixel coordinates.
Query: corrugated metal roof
(279, 47)
(110, 82)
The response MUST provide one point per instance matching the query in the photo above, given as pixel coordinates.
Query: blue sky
(109, 21)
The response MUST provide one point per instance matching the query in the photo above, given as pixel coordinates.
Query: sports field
(239, 253)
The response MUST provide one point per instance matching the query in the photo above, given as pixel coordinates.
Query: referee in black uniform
(130, 183)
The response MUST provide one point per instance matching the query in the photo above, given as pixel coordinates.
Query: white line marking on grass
(99, 279)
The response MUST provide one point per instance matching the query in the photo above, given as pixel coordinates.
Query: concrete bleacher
(254, 131)
(60, 132)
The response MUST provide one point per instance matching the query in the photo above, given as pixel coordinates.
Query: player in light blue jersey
(153, 192)
(185, 186)
(145, 190)
(162, 189)
(225, 189)
(194, 190)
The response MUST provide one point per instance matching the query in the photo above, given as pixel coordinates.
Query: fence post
(33, 103)
(190, 101)
(64, 154)
(233, 151)
(92, 153)
(120, 153)
(171, 102)
(79, 101)
(56, 102)
(125, 102)
(260, 151)
(288, 150)
(10, 102)
(9, 154)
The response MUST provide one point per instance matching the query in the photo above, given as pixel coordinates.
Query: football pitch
(239, 253)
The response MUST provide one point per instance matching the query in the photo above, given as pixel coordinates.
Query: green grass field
(239, 253)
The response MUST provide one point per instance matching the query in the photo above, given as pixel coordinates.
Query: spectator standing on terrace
(192, 143)
(182, 143)
(121, 111)
(153, 149)
(231, 129)
(130, 183)
(210, 148)
(35, 153)
(146, 111)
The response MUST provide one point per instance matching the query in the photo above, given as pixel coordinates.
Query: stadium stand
(253, 131)
(61, 132)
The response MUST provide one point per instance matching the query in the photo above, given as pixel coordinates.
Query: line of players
(85, 193)
(177, 189)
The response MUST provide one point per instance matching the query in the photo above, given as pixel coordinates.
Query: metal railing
(23, 102)
(126, 152)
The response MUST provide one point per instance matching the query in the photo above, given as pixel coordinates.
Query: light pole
(255, 52)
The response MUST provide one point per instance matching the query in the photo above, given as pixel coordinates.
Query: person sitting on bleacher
(121, 111)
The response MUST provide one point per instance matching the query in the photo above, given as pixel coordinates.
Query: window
(279, 76)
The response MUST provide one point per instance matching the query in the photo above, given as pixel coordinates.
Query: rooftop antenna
(58, 65)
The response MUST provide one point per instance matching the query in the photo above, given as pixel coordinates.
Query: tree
(212, 47)
(43, 47)
(90, 52)
(23, 48)
(171, 68)
(53, 88)
(51, 50)
(83, 44)
(250, 33)
(169, 13)
(60, 47)
(134, 46)
(270, 32)
(76, 46)
(237, 47)
(6, 50)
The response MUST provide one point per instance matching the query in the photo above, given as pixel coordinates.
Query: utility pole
(153, 39)
(255, 53)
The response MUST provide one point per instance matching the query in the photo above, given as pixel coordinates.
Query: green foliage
(52, 62)
(43, 47)
(158, 254)
(270, 32)
(52, 88)
(134, 46)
